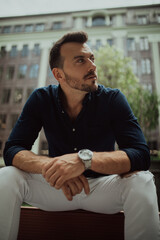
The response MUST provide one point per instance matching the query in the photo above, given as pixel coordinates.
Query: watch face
(85, 154)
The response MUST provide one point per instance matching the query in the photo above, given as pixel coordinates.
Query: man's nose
(92, 66)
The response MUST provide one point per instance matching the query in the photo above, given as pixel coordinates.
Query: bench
(70, 225)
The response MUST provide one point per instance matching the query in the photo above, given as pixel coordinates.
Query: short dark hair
(55, 59)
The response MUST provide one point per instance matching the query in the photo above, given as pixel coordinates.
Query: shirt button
(73, 129)
(62, 111)
(75, 149)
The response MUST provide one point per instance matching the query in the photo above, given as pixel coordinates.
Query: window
(25, 51)
(3, 118)
(3, 52)
(134, 66)
(57, 25)
(6, 29)
(131, 44)
(110, 42)
(22, 71)
(6, 95)
(10, 72)
(148, 87)
(18, 28)
(39, 27)
(98, 43)
(18, 95)
(44, 148)
(13, 52)
(29, 28)
(34, 71)
(142, 19)
(98, 21)
(13, 120)
(29, 91)
(145, 66)
(37, 50)
(158, 18)
(1, 72)
(144, 43)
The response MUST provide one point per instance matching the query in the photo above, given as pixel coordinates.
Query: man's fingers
(47, 168)
(85, 184)
(67, 192)
(59, 181)
(79, 185)
(75, 186)
(50, 174)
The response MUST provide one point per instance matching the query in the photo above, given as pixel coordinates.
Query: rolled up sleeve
(128, 133)
(25, 131)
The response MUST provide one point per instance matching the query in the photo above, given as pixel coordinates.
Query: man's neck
(72, 101)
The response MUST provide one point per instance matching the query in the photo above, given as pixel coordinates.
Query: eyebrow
(82, 56)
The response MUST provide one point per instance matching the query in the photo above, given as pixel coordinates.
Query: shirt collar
(86, 99)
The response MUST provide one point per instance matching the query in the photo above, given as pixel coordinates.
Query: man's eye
(80, 60)
(92, 59)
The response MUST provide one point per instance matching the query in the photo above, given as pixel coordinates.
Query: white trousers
(135, 195)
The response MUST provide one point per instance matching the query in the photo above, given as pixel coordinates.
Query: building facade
(25, 43)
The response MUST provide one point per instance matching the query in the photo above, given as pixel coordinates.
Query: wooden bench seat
(70, 225)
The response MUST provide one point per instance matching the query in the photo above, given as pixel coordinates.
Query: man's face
(78, 67)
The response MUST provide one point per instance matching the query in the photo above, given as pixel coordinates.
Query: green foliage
(115, 71)
(145, 106)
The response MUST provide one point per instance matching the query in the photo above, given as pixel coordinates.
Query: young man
(82, 120)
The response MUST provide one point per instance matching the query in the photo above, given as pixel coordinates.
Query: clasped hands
(65, 172)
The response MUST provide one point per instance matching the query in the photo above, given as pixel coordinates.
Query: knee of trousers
(140, 187)
(12, 181)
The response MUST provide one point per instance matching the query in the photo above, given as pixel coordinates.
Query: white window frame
(144, 44)
(146, 66)
(131, 44)
(134, 66)
(142, 20)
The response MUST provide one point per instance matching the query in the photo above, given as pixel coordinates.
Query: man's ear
(58, 74)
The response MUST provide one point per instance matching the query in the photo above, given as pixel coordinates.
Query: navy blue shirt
(105, 118)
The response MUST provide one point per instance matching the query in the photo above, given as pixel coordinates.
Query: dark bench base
(70, 225)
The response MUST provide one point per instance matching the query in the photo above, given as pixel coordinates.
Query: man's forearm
(116, 162)
(32, 163)
(29, 162)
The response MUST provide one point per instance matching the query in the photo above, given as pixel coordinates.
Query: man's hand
(75, 186)
(62, 168)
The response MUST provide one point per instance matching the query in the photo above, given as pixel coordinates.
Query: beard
(75, 83)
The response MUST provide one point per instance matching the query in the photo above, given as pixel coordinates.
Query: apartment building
(25, 42)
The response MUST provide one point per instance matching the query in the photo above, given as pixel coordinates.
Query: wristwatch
(86, 156)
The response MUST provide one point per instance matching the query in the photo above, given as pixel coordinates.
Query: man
(82, 120)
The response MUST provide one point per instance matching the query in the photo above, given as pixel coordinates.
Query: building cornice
(109, 9)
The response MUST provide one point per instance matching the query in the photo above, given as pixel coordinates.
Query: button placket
(74, 131)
